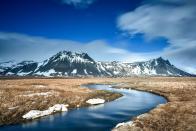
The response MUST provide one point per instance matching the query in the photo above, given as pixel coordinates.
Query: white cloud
(20, 47)
(78, 3)
(174, 20)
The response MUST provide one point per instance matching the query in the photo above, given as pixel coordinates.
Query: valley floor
(18, 96)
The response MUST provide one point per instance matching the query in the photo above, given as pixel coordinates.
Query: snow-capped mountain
(157, 66)
(21, 69)
(154, 67)
(6, 65)
(66, 63)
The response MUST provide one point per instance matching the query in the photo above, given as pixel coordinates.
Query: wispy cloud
(78, 3)
(174, 20)
(24, 47)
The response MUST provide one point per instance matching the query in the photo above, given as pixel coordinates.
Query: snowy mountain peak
(160, 60)
(71, 56)
(7, 63)
(67, 63)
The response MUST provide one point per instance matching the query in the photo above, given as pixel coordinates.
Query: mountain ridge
(67, 63)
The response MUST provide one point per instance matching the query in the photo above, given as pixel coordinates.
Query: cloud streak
(78, 3)
(14, 46)
(175, 21)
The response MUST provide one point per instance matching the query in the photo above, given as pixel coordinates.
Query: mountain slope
(5, 66)
(23, 68)
(157, 66)
(66, 63)
(69, 64)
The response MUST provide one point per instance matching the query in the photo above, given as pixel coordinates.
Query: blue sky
(53, 19)
(124, 30)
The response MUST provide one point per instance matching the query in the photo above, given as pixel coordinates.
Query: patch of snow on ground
(95, 101)
(124, 123)
(37, 113)
(142, 115)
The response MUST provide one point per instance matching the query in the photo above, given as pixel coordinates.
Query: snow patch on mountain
(85, 72)
(74, 71)
(46, 73)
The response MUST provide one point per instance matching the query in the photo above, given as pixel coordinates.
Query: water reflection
(95, 107)
(29, 124)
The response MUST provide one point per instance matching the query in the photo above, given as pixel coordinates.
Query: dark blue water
(96, 118)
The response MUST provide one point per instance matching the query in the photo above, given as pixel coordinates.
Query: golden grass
(179, 114)
(15, 100)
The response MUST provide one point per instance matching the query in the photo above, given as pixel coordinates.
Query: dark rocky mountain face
(20, 69)
(66, 63)
(156, 67)
(69, 64)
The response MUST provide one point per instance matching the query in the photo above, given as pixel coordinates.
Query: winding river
(96, 118)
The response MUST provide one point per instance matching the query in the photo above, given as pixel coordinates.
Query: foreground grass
(17, 97)
(179, 114)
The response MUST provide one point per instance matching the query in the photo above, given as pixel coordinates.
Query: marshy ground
(18, 96)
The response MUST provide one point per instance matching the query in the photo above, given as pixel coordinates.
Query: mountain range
(67, 63)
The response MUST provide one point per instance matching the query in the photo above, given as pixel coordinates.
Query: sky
(108, 30)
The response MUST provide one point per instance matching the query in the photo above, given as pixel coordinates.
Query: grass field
(18, 96)
(179, 114)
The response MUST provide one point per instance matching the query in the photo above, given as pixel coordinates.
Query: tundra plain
(18, 96)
